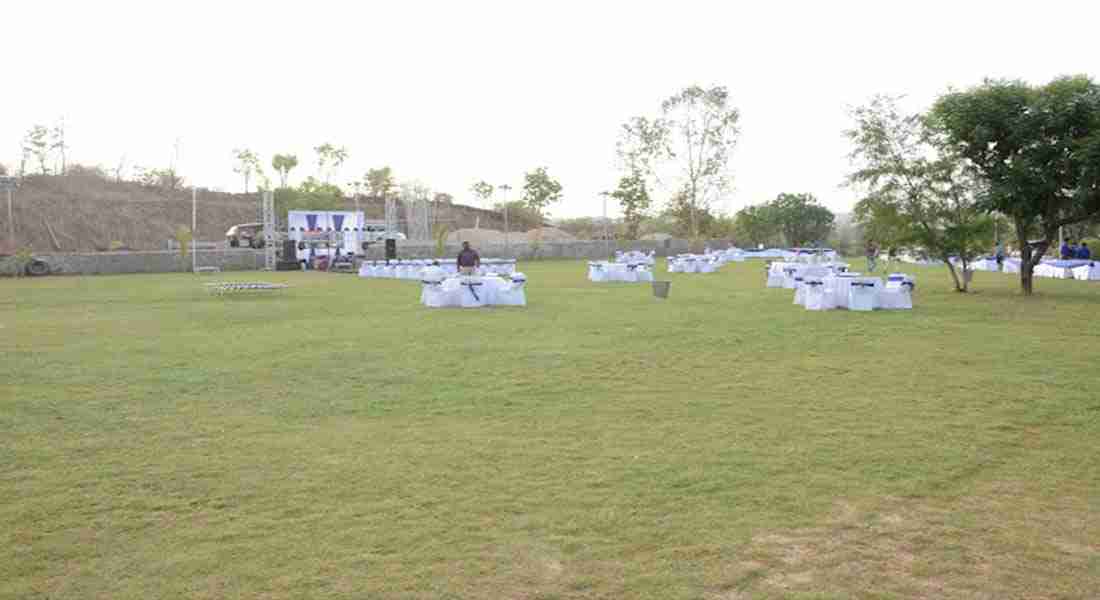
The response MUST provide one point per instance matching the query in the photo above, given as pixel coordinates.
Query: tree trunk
(1030, 256)
(959, 287)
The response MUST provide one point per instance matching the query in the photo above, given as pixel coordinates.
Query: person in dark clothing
(1083, 252)
(1067, 249)
(468, 260)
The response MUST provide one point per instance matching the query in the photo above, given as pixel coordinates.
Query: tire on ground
(38, 267)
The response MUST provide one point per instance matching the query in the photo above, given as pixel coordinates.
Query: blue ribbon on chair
(908, 284)
(812, 282)
(470, 286)
(864, 284)
(431, 282)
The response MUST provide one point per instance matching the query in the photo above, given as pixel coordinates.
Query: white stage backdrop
(338, 220)
(347, 221)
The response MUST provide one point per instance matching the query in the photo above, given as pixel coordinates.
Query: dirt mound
(549, 234)
(479, 237)
(85, 211)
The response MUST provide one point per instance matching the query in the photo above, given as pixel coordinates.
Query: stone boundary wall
(114, 263)
(110, 263)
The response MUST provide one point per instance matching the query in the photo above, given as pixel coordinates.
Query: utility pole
(194, 227)
(606, 240)
(11, 222)
(507, 243)
(8, 184)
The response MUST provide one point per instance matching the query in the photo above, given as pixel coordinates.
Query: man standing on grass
(871, 252)
(468, 260)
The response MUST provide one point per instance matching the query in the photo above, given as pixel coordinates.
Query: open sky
(450, 92)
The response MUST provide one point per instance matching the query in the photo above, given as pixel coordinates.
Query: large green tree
(694, 134)
(311, 194)
(380, 182)
(248, 164)
(283, 165)
(920, 192)
(1037, 150)
(540, 190)
(329, 160)
(756, 225)
(634, 201)
(801, 219)
(37, 143)
(483, 190)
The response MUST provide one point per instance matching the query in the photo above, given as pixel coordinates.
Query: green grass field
(339, 440)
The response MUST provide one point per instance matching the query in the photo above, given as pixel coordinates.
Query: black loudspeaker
(391, 249)
(289, 249)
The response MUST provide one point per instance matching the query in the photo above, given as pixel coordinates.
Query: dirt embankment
(85, 212)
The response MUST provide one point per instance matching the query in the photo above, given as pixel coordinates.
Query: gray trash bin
(660, 288)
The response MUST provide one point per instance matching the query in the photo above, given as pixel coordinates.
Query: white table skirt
(474, 291)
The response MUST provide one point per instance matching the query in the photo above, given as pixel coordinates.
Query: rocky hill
(87, 212)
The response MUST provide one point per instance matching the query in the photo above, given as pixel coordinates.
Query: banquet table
(474, 291)
(839, 288)
(615, 271)
(1089, 272)
(1059, 269)
(412, 268)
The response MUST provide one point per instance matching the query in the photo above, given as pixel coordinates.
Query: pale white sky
(449, 92)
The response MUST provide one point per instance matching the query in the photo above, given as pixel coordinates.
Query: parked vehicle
(250, 234)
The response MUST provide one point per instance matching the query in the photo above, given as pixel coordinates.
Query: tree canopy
(693, 135)
(540, 190)
(633, 198)
(1037, 151)
(920, 192)
(283, 165)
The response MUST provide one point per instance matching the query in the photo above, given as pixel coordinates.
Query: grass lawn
(339, 440)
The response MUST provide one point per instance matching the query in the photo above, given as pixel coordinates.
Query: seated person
(1067, 249)
(1083, 252)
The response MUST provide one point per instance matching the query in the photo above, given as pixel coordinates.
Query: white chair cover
(513, 294)
(789, 274)
(816, 297)
(644, 274)
(435, 293)
(596, 272)
(800, 291)
(472, 292)
(897, 298)
(774, 277)
(863, 294)
(1089, 272)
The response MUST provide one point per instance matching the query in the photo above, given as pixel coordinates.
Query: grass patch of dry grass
(341, 441)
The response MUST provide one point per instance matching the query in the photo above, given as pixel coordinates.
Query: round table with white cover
(411, 268)
(438, 290)
(602, 272)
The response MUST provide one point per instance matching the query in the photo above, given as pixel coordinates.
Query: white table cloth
(839, 289)
(600, 272)
(1089, 272)
(1059, 269)
(474, 291)
(634, 257)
